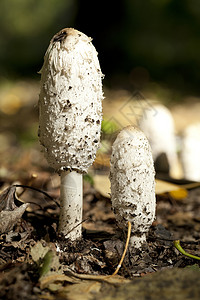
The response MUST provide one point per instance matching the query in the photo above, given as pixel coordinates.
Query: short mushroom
(70, 114)
(132, 178)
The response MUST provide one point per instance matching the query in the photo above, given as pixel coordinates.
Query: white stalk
(137, 241)
(71, 195)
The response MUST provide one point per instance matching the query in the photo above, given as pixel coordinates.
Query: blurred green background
(148, 47)
(139, 41)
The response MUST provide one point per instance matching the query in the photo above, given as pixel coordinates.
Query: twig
(37, 190)
(125, 250)
(77, 225)
(181, 250)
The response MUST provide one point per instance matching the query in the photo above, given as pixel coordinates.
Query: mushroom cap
(132, 179)
(70, 102)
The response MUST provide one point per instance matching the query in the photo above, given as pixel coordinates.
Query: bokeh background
(147, 46)
(138, 41)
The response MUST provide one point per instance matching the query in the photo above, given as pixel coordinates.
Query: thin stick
(180, 249)
(37, 190)
(125, 250)
(78, 224)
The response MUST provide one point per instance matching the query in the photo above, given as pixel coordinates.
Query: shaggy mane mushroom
(70, 114)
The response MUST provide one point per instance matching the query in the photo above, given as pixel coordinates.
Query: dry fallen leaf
(7, 197)
(47, 260)
(166, 187)
(102, 185)
(79, 286)
(55, 280)
(10, 214)
(8, 219)
(82, 291)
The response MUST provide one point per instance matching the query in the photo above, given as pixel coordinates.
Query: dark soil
(101, 248)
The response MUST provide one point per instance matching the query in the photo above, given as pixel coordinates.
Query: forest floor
(36, 263)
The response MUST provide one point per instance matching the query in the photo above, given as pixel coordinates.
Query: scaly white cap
(132, 179)
(70, 103)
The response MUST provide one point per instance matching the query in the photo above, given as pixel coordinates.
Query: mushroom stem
(71, 197)
(137, 241)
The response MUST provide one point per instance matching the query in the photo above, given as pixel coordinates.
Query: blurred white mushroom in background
(158, 126)
(190, 152)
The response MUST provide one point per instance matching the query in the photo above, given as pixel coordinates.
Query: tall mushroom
(70, 114)
(132, 178)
